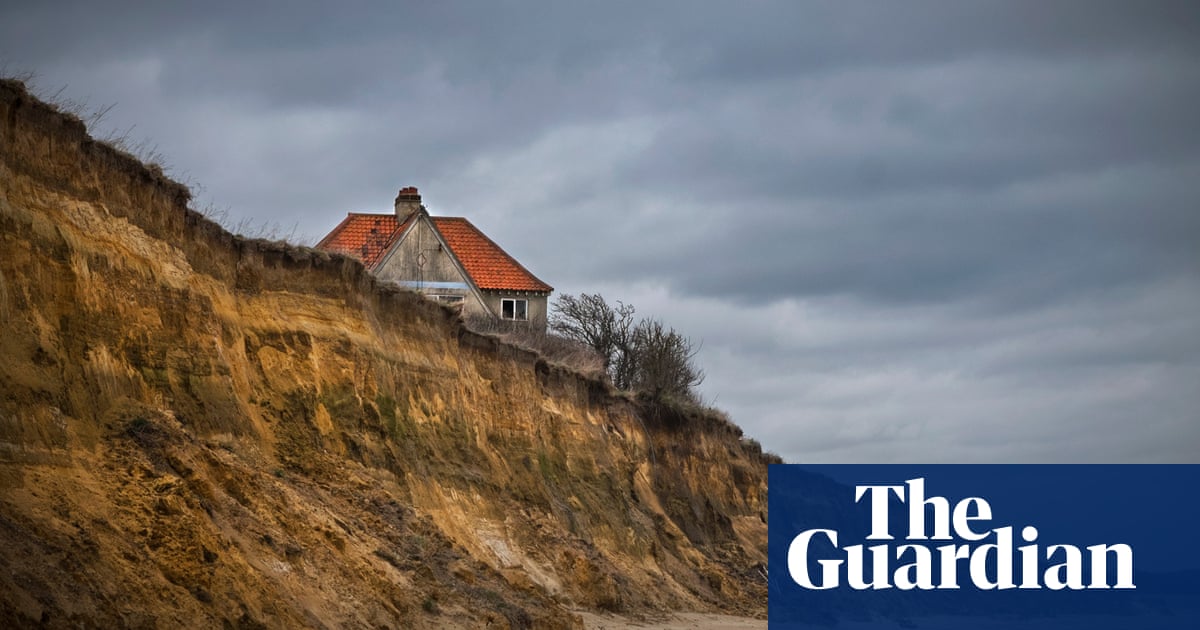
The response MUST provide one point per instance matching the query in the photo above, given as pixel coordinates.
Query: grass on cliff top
(143, 151)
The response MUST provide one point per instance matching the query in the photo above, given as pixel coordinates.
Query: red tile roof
(368, 237)
(489, 266)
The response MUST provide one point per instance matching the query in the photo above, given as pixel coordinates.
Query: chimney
(408, 202)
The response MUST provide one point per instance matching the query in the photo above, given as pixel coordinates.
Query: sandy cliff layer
(199, 430)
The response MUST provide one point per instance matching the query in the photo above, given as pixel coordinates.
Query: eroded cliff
(201, 430)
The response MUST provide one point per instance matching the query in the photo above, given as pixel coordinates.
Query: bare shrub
(590, 320)
(662, 360)
(645, 356)
(554, 348)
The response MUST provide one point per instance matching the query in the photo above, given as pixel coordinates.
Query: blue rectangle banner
(984, 546)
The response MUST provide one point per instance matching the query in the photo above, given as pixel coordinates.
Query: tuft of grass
(123, 140)
(572, 355)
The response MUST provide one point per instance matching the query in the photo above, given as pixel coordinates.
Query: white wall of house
(420, 262)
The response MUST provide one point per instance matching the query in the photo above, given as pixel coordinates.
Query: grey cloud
(928, 250)
(801, 38)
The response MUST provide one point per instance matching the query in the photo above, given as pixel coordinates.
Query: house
(446, 258)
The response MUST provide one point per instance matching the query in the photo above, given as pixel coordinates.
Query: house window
(514, 309)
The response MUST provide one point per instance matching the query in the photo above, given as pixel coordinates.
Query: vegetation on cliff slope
(200, 429)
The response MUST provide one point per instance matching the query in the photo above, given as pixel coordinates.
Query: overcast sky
(902, 231)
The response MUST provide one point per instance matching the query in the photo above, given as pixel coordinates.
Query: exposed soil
(676, 621)
(200, 430)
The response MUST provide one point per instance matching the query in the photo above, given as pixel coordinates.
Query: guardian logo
(990, 546)
(916, 560)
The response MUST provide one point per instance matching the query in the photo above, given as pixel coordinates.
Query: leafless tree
(663, 360)
(645, 356)
(591, 320)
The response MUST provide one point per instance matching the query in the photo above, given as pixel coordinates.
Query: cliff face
(197, 429)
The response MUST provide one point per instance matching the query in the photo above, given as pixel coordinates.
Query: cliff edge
(202, 430)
